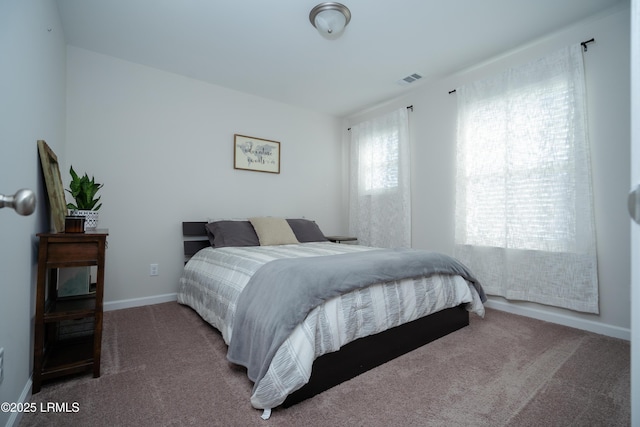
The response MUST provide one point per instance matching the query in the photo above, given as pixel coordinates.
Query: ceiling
(270, 49)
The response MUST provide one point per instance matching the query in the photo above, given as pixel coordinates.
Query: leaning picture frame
(53, 182)
(256, 154)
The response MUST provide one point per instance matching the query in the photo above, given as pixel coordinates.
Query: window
(379, 161)
(518, 168)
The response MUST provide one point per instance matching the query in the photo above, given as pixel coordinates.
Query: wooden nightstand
(340, 239)
(55, 355)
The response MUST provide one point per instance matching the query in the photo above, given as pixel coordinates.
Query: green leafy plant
(83, 190)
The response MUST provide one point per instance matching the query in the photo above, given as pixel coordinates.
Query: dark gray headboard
(194, 237)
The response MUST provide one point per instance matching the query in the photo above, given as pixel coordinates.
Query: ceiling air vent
(409, 79)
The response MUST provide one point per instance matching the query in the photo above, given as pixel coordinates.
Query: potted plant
(83, 190)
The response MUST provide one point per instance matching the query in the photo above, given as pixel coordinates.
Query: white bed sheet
(214, 278)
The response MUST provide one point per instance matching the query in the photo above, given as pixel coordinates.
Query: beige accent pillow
(273, 231)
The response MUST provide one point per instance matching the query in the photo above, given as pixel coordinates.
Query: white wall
(32, 107)
(162, 144)
(433, 124)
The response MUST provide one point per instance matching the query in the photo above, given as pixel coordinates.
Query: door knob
(24, 201)
(633, 204)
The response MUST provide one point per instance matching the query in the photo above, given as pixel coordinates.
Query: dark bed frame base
(369, 352)
(362, 354)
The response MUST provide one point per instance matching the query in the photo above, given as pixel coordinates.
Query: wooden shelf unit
(54, 354)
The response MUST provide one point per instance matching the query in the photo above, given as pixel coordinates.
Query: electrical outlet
(1, 364)
(153, 270)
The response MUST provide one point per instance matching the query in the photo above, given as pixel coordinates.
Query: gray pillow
(231, 233)
(306, 230)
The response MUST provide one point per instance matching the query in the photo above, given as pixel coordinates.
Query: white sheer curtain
(524, 209)
(380, 195)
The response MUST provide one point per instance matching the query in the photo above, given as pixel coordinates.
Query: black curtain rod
(410, 107)
(583, 44)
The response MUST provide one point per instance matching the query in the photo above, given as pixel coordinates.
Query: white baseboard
(139, 302)
(25, 396)
(561, 319)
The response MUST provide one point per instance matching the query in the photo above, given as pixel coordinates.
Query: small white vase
(90, 218)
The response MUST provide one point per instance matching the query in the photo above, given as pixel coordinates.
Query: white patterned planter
(91, 218)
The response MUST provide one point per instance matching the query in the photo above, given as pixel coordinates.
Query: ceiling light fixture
(330, 18)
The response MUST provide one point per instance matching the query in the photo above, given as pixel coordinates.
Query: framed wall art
(256, 154)
(53, 182)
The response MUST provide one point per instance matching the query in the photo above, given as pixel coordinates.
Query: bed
(342, 333)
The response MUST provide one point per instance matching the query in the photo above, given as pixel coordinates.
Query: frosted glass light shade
(330, 19)
(330, 23)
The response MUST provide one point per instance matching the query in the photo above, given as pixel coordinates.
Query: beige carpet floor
(163, 366)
